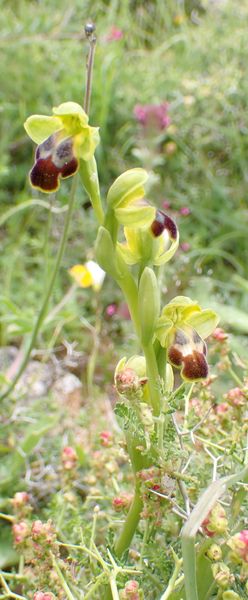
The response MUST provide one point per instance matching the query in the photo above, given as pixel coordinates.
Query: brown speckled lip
(54, 159)
(195, 366)
(161, 223)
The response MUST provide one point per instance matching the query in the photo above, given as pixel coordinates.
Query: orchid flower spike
(63, 140)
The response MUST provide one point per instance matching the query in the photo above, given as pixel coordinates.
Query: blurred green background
(190, 54)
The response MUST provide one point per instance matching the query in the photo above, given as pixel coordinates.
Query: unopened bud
(127, 382)
(216, 522)
(222, 575)
(214, 552)
(131, 591)
(235, 397)
(121, 503)
(106, 439)
(20, 499)
(20, 532)
(219, 334)
(231, 595)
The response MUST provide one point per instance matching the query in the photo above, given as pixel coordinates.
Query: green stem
(153, 378)
(130, 524)
(49, 291)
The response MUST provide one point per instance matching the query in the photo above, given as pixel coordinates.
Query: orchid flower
(181, 329)
(63, 140)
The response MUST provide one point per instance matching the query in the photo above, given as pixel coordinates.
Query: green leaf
(8, 555)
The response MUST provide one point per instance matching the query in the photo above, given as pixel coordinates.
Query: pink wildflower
(111, 310)
(166, 204)
(185, 211)
(114, 34)
(153, 115)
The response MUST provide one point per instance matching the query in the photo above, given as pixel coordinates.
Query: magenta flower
(153, 116)
(185, 211)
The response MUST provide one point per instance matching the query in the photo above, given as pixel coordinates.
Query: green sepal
(105, 253)
(149, 304)
(40, 127)
(163, 329)
(127, 188)
(204, 322)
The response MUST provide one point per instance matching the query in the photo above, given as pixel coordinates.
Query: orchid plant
(134, 241)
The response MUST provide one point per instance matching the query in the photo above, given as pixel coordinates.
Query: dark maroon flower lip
(55, 159)
(161, 223)
(188, 351)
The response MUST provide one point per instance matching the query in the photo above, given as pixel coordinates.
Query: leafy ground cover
(66, 482)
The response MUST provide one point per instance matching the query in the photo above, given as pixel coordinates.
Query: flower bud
(219, 334)
(216, 522)
(130, 376)
(20, 500)
(239, 546)
(42, 531)
(127, 187)
(222, 574)
(69, 458)
(106, 439)
(131, 591)
(121, 503)
(127, 382)
(105, 253)
(235, 397)
(149, 304)
(214, 552)
(20, 532)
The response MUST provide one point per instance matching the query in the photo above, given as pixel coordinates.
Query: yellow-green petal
(135, 215)
(40, 127)
(166, 255)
